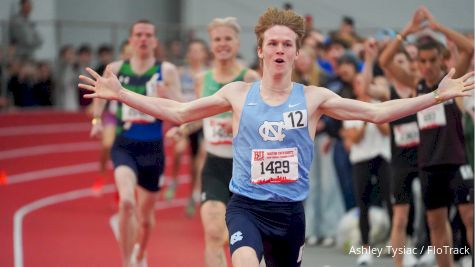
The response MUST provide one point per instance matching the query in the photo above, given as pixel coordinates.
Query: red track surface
(76, 232)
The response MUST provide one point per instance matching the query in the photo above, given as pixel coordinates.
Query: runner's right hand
(106, 87)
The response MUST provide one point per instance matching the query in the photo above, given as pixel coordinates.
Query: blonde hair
(274, 16)
(313, 76)
(230, 22)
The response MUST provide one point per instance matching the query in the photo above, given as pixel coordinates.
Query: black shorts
(145, 158)
(401, 184)
(216, 175)
(463, 185)
(444, 185)
(275, 230)
(195, 140)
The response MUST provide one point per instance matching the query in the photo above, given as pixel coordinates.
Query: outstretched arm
(109, 87)
(348, 109)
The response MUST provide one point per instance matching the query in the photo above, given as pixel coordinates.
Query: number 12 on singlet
(295, 119)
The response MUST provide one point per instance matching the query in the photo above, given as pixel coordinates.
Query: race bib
(274, 166)
(130, 114)
(216, 132)
(295, 119)
(406, 135)
(432, 117)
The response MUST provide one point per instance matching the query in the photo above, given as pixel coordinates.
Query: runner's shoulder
(115, 66)
(235, 88)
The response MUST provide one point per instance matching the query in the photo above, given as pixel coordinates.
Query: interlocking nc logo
(272, 131)
(236, 237)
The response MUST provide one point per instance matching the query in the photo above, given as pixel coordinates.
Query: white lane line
(63, 197)
(45, 129)
(38, 204)
(53, 172)
(49, 149)
(69, 170)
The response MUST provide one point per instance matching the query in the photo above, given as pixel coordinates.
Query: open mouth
(222, 51)
(279, 60)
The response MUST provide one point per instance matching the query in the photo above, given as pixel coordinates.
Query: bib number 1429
(275, 167)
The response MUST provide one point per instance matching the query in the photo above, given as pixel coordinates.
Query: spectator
(66, 95)
(288, 6)
(21, 84)
(346, 31)
(126, 51)
(84, 58)
(23, 34)
(44, 86)
(175, 52)
(105, 55)
(333, 48)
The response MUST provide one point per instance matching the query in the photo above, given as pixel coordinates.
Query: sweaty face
(429, 63)
(279, 49)
(142, 40)
(224, 42)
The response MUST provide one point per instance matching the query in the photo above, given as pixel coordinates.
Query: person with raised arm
(441, 155)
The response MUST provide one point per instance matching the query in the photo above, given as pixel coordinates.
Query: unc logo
(272, 131)
(236, 237)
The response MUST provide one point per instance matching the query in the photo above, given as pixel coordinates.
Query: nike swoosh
(252, 104)
(291, 106)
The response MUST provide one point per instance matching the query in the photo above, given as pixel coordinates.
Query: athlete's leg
(245, 257)
(197, 168)
(440, 234)
(461, 186)
(126, 180)
(466, 213)
(146, 218)
(179, 148)
(214, 226)
(363, 187)
(107, 139)
(108, 135)
(398, 231)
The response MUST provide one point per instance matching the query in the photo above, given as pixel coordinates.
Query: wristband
(400, 37)
(96, 120)
(437, 97)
